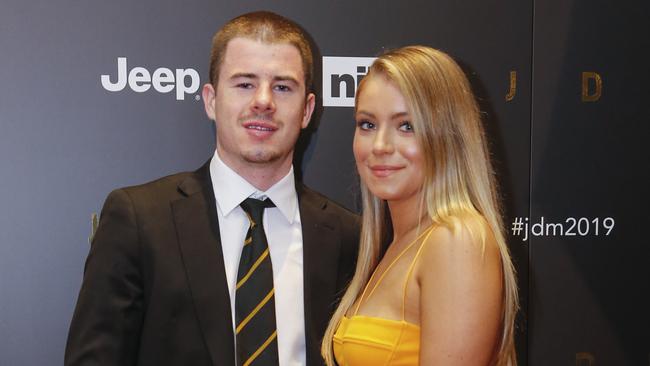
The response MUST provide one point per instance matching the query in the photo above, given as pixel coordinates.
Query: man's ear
(310, 103)
(208, 94)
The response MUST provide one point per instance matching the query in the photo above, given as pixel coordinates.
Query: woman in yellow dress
(444, 291)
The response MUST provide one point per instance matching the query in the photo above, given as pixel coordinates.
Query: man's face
(259, 105)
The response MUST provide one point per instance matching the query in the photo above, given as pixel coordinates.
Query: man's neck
(262, 176)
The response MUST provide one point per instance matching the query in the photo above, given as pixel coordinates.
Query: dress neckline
(381, 320)
(426, 232)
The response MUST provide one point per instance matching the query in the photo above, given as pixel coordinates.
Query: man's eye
(282, 88)
(365, 125)
(245, 85)
(406, 126)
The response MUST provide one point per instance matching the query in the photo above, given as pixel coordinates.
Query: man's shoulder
(162, 184)
(165, 189)
(157, 189)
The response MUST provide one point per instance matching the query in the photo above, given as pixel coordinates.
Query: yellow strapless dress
(363, 340)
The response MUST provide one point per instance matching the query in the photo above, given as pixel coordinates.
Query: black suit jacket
(154, 290)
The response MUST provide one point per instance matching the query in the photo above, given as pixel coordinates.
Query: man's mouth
(259, 128)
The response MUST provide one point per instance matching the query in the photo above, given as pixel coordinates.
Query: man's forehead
(243, 52)
(245, 46)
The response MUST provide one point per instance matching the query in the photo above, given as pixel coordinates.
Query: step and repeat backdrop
(563, 87)
(590, 172)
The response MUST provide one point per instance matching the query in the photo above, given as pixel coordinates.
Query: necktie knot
(254, 209)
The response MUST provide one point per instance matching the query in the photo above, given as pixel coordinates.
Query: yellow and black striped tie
(254, 296)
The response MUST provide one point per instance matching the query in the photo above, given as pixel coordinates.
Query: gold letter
(586, 97)
(513, 86)
(585, 359)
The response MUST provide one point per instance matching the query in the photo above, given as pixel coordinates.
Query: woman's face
(389, 158)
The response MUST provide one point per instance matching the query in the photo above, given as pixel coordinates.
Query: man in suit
(164, 281)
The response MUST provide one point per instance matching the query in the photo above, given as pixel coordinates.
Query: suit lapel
(197, 228)
(321, 246)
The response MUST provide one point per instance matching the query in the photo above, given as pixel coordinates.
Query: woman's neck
(407, 216)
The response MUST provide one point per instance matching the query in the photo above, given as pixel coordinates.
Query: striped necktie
(254, 296)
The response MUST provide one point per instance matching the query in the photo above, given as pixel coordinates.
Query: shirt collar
(230, 189)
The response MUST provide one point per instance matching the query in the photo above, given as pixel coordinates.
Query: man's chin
(261, 157)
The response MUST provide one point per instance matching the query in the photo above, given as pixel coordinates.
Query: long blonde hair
(459, 180)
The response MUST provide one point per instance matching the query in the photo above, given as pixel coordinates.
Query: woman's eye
(365, 125)
(406, 126)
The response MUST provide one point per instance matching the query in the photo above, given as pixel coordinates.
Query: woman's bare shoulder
(468, 242)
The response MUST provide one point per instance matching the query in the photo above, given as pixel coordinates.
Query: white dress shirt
(284, 235)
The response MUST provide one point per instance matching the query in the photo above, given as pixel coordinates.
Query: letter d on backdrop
(585, 359)
(598, 89)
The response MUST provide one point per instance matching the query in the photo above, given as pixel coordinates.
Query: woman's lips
(384, 170)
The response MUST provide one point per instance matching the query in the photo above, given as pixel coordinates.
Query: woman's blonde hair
(459, 181)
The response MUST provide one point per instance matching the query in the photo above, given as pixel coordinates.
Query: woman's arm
(460, 298)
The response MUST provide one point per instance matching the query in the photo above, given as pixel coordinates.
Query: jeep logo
(163, 80)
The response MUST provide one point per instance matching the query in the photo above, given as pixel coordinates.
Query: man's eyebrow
(288, 78)
(245, 75)
(248, 75)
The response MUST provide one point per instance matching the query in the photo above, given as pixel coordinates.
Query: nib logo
(341, 77)
(163, 80)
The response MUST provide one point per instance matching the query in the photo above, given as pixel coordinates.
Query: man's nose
(263, 99)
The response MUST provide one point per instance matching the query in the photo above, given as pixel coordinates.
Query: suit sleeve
(107, 321)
